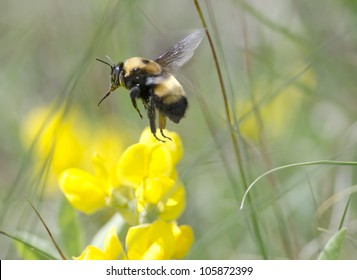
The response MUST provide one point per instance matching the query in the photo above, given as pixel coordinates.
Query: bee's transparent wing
(180, 53)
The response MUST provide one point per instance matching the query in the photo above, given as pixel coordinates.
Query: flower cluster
(159, 240)
(144, 188)
(94, 172)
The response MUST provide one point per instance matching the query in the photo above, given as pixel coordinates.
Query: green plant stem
(232, 132)
(224, 95)
(48, 231)
(344, 213)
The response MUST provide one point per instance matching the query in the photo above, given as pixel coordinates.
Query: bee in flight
(152, 82)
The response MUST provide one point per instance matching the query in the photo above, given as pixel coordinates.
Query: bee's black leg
(152, 116)
(135, 93)
(162, 125)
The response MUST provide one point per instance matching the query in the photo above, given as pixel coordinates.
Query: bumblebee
(152, 82)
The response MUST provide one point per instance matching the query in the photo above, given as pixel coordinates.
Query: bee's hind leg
(135, 93)
(152, 116)
(162, 125)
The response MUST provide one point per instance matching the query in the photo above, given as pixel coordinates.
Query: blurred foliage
(334, 246)
(290, 69)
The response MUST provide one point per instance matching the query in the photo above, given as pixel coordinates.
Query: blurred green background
(289, 68)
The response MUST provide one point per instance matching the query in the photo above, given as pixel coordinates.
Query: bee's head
(117, 77)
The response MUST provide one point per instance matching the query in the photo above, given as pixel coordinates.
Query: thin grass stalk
(234, 139)
(224, 67)
(48, 231)
(306, 163)
(225, 98)
(344, 213)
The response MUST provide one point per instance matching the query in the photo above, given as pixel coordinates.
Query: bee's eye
(115, 75)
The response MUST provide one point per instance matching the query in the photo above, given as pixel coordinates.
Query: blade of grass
(335, 197)
(48, 230)
(344, 213)
(224, 94)
(234, 139)
(34, 248)
(307, 163)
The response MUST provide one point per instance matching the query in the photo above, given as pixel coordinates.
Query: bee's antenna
(111, 66)
(104, 97)
(107, 56)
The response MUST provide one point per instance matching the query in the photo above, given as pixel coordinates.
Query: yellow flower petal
(184, 238)
(160, 162)
(174, 146)
(167, 198)
(155, 251)
(150, 241)
(174, 204)
(140, 201)
(133, 163)
(156, 188)
(113, 249)
(137, 241)
(101, 172)
(146, 137)
(108, 142)
(84, 191)
(91, 253)
(112, 246)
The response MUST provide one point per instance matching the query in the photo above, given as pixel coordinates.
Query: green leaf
(31, 247)
(27, 251)
(70, 229)
(334, 246)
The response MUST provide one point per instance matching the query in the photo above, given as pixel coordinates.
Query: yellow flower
(149, 168)
(184, 238)
(150, 158)
(113, 250)
(146, 167)
(90, 192)
(158, 241)
(86, 192)
(59, 139)
(142, 161)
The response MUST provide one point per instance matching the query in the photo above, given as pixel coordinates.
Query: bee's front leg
(134, 94)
